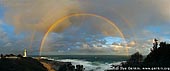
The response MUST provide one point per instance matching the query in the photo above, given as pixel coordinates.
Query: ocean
(91, 62)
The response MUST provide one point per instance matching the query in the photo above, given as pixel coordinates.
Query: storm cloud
(139, 20)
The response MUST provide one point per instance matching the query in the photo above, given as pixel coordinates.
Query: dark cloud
(139, 20)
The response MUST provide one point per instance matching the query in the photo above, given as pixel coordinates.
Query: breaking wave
(89, 66)
(93, 65)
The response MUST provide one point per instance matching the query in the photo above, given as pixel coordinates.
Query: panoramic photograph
(84, 35)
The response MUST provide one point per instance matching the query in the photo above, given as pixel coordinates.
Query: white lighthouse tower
(25, 53)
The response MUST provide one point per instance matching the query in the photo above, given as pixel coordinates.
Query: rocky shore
(60, 66)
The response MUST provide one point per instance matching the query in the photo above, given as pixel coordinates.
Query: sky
(23, 24)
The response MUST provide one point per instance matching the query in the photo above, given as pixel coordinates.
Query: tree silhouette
(135, 60)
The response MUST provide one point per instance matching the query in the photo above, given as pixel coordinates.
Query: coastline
(69, 64)
(47, 66)
(21, 64)
(52, 65)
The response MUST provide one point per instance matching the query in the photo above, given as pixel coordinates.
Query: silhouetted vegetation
(134, 60)
(21, 64)
(158, 57)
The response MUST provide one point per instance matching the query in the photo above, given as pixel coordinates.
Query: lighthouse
(25, 53)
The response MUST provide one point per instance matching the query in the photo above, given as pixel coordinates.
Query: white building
(25, 53)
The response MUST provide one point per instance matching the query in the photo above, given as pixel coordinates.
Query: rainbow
(32, 39)
(74, 15)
